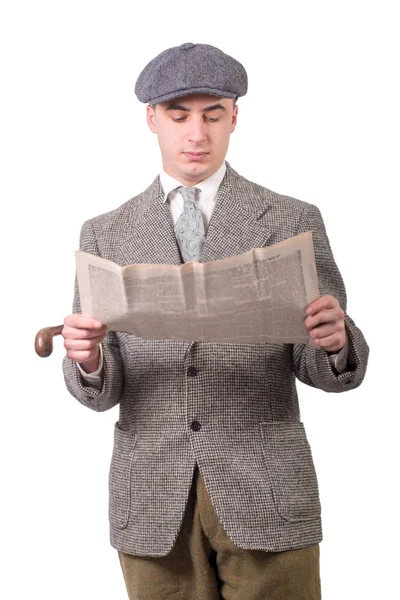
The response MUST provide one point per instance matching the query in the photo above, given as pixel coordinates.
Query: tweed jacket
(236, 413)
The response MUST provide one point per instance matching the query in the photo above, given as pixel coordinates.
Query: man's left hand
(325, 323)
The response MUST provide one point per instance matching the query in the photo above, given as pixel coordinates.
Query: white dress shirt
(205, 201)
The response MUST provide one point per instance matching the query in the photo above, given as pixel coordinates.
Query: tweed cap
(191, 69)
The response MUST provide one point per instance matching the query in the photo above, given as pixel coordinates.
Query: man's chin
(195, 170)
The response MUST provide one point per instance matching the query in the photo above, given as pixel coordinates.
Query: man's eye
(209, 119)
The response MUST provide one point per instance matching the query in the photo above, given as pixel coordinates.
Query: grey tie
(189, 229)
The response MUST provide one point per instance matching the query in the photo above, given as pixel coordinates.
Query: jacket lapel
(238, 224)
(239, 221)
(150, 236)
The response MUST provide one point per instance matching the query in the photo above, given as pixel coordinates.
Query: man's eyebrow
(215, 107)
(177, 107)
(186, 109)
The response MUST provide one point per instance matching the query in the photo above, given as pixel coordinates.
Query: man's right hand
(82, 337)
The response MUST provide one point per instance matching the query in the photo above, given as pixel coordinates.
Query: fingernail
(96, 324)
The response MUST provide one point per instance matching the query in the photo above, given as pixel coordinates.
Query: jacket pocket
(291, 469)
(120, 476)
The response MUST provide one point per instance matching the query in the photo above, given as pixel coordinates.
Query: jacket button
(192, 371)
(196, 426)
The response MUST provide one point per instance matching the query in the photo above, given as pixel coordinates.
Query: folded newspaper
(258, 296)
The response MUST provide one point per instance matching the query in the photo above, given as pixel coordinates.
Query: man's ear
(151, 118)
(234, 117)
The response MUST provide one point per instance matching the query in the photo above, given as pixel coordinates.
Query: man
(213, 492)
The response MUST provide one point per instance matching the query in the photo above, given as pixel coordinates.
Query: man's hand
(325, 323)
(82, 337)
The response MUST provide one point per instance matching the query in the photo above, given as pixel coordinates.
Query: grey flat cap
(191, 69)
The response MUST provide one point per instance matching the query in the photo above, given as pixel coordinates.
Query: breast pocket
(120, 477)
(291, 470)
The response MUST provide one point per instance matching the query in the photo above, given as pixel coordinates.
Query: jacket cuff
(112, 386)
(94, 379)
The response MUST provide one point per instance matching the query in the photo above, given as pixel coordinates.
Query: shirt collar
(208, 185)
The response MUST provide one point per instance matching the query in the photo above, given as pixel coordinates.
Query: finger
(321, 303)
(79, 334)
(331, 343)
(324, 316)
(78, 321)
(88, 344)
(81, 356)
(325, 330)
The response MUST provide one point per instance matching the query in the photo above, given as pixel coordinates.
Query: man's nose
(197, 131)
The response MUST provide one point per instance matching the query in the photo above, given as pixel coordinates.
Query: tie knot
(188, 193)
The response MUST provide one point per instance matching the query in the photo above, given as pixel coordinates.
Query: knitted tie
(189, 229)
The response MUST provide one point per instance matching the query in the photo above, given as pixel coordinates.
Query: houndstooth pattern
(189, 228)
(251, 449)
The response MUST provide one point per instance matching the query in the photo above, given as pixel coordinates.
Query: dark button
(192, 371)
(196, 426)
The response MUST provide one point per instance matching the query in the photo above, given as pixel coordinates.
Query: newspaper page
(256, 297)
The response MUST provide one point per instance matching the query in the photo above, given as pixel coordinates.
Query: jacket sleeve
(311, 365)
(113, 373)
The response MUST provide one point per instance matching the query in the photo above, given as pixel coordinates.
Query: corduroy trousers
(204, 564)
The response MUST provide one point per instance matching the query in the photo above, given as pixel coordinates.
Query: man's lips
(195, 155)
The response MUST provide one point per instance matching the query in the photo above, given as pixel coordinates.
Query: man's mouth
(195, 155)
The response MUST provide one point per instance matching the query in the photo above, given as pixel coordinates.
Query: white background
(320, 122)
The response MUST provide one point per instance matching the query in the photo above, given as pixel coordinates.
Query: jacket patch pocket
(120, 476)
(291, 469)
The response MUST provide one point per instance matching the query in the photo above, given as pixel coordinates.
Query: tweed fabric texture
(191, 69)
(204, 564)
(251, 448)
(189, 228)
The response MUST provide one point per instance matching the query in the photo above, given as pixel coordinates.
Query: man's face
(193, 133)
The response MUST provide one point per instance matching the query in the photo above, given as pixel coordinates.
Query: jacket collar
(238, 224)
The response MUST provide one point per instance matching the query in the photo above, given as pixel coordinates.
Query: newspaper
(258, 296)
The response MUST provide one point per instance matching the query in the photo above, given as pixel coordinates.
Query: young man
(213, 492)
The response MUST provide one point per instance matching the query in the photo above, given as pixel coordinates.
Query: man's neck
(192, 182)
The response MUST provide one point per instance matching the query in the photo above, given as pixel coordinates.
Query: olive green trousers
(204, 564)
